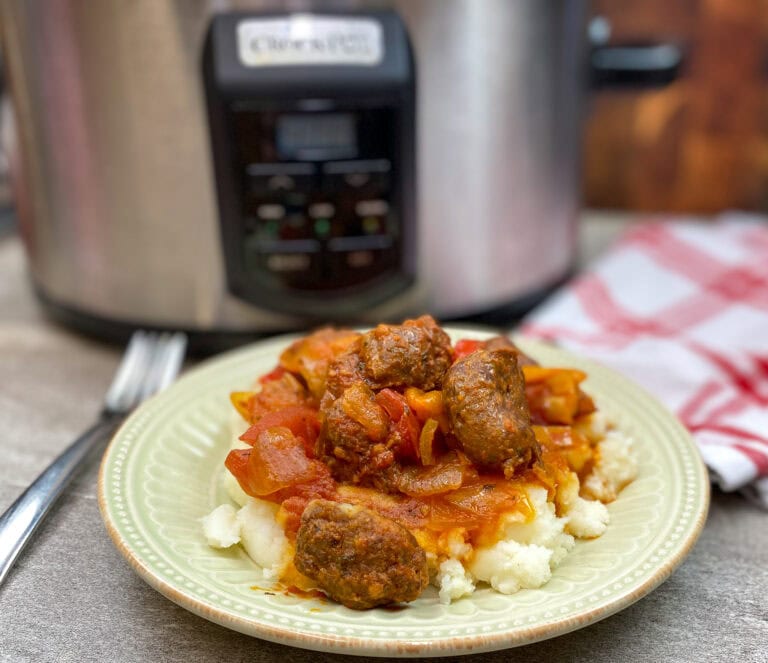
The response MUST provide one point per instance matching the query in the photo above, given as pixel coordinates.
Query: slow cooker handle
(630, 65)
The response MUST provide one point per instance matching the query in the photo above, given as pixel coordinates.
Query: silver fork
(150, 363)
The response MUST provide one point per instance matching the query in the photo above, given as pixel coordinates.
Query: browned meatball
(501, 342)
(353, 435)
(343, 372)
(484, 394)
(359, 558)
(414, 354)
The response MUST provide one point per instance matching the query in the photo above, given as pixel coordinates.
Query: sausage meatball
(343, 372)
(414, 354)
(353, 435)
(484, 395)
(359, 558)
(502, 342)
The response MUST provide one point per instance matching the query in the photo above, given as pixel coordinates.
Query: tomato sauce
(432, 487)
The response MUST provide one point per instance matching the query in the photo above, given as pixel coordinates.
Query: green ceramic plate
(162, 473)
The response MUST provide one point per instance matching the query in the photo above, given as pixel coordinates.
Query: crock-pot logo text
(336, 44)
(305, 39)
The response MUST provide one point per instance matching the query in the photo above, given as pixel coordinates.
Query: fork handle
(23, 517)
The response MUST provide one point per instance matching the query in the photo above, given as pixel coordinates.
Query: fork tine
(164, 364)
(174, 356)
(122, 391)
(146, 379)
(131, 395)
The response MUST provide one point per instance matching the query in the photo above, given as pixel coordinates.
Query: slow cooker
(249, 167)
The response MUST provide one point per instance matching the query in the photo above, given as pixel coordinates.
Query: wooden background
(700, 143)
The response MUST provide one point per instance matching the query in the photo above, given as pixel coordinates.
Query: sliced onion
(426, 442)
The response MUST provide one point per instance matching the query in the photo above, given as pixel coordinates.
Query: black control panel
(314, 169)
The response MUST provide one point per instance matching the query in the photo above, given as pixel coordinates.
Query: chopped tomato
(237, 463)
(277, 394)
(408, 432)
(466, 346)
(290, 514)
(276, 461)
(392, 402)
(405, 425)
(302, 421)
(275, 374)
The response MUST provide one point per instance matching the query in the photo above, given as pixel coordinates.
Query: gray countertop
(72, 597)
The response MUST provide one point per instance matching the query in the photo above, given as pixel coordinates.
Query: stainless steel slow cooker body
(112, 159)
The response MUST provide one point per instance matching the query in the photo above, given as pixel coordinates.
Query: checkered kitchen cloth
(681, 307)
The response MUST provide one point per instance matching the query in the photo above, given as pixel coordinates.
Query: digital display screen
(316, 136)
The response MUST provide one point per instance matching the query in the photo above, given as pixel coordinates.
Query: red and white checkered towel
(681, 307)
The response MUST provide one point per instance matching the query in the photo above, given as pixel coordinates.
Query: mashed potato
(525, 552)
(616, 466)
(255, 527)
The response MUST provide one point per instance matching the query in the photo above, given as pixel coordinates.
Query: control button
(371, 175)
(374, 242)
(357, 180)
(371, 208)
(295, 263)
(280, 168)
(356, 266)
(372, 225)
(287, 246)
(294, 199)
(321, 210)
(295, 227)
(288, 262)
(357, 166)
(270, 178)
(360, 259)
(281, 183)
(322, 227)
(271, 229)
(270, 212)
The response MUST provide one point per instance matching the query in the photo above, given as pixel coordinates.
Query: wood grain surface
(700, 143)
